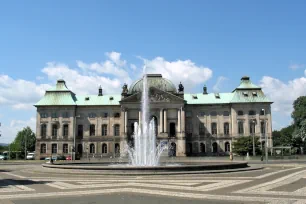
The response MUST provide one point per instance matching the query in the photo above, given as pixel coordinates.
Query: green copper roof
(57, 98)
(211, 98)
(249, 96)
(95, 100)
(247, 84)
(154, 80)
(60, 86)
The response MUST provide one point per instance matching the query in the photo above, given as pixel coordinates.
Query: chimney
(205, 89)
(100, 91)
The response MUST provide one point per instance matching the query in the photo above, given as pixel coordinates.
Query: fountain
(145, 152)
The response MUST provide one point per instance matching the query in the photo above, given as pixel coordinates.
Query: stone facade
(102, 125)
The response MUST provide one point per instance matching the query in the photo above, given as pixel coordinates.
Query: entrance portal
(172, 150)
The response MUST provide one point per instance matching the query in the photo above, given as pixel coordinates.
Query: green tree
(26, 135)
(286, 138)
(276, 135)
(243, 145)
(299, 112)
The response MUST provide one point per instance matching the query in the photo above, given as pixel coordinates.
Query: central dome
(154, 80)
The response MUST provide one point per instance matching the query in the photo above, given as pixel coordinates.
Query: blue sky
(262, 39)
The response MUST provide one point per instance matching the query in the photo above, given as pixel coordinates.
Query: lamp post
(253, 133)
(74, 135)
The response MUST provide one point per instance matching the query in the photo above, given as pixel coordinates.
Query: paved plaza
(31, 183)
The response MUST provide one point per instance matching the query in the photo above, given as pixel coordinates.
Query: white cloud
(9, 132)
(116, 58)
(19, 93)
(133, 67)
(178, 71)
(217, 86)
(79, 83)
(283, 93)
(295, 66)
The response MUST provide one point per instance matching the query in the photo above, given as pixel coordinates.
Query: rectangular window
(188, 114)
(65, 115)
(189, 129)
(54, 130)
(201, 129)
(65, 148)
(252, 128)
(117, 130)
(104, 130)
(91, 115)
(54, 148)
(105, 115)
(226, 128)
(262, 127)
(54, 115)
(43, 148)
(240, 127)
(214, 128)
(80, 130)
(117, 115)
(65, 131)
(43, 115)
(92, 130)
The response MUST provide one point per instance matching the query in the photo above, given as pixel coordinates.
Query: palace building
(197, 124)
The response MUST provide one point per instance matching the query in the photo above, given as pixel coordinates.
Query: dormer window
(86, 98)
(254, 93)
(111, 98)
(195, 97)
(217, 95)
(245, 94)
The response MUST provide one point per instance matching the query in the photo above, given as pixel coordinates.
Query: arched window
(252, 127)
(80, 131)
(43, 130)
(43, 148)
(227, 147)
(117, 130)
(92, 149)
(240, 113)
(226, 113)
(226, 128)
(104, 148)
(92, 130)
(213, 113)
(202, 147)
(214, 128)
(104, 130)
(214, 147)
(252, 112)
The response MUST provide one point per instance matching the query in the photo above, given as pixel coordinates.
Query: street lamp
(74, 135)
(266, 136)
(253, 133)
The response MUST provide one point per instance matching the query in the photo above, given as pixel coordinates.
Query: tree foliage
(299, 112)
(243, 145)
(25, 136)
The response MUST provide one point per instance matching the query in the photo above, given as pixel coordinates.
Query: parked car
(55, 158)
(68, 157)
(31, 156)
(3, 157)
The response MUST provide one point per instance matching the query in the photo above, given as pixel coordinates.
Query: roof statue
(124, 88)
(181, 87)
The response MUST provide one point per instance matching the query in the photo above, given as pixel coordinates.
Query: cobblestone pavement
(277, 183)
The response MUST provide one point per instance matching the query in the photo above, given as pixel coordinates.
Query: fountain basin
(124, 168)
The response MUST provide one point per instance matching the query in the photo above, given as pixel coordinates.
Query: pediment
(155, 96)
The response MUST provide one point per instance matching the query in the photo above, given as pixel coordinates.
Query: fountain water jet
(145, 152)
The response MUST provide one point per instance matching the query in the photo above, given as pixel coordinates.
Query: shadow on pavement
(9, 182)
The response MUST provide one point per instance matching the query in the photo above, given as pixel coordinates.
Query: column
(122, 122)
(165, 120)
(183, 120)
(179, 120)
(161, 129)
(139, 117)
(125, 122)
